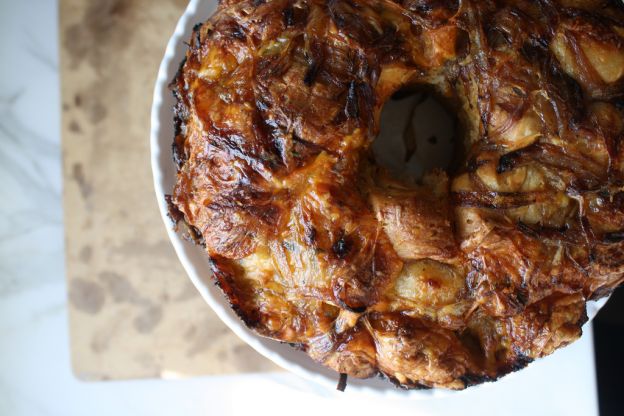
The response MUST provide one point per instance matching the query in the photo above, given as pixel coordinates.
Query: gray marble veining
(31, 235)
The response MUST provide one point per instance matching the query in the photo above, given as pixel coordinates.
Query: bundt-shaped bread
(456, 280)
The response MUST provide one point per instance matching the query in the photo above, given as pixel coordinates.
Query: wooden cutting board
(133, 311)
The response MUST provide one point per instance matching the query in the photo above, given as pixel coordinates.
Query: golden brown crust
(452, 282)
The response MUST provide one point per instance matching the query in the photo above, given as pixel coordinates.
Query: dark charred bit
(473, 164)
(342, 382)
(299, 346)
(603, 193)
(543, 232)
(352, 107)
(310, 75)
(601, 293)
(267, 213)
(519, 363)
(262, 104)
(359, 102)
(193, 235)
(494, 200)
(295, 16)
(180, 117)
(617, 4)
(237, 32)
(173, 212)
(223, 277)
(197, 34)
(338, 18)
(258, 2)
(178, 75)
(474, 379)
(583, 319)
(403, 386)
(314, 57)
(534, 52)
(507, 162)
(340, 292)
(613, 237)
(177, 149)
(341, 248)
(462, 43)
(522, 296)
(289, 16)
(354, 309)
(527, 229)
(310, 234)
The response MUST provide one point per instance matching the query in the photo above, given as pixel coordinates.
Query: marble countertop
(35, 369)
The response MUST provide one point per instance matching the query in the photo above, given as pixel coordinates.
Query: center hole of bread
(417, 134)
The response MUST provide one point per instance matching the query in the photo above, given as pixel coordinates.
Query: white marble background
(35, 375)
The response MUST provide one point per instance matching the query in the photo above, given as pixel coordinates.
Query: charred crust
(470, 380)
(342, 382)
(341, 247)
(520, 362)
(223, 277)
(404, 386)
(180, 118)
(582, 320)
(561, 234)
(172, 211)
(507, 162)
(197, 26)
(237, 32)
(288, 15)
(339, 297)
(310, 234)
(522, 296)
(600, 293)
(314, 87)
(177, 148)
(338, 19)
(473, 164)
(299, 346)
(189, 232)
(352, 105)
(494, 200)
(196, 37)
(192, 234)
(613, 237)
(312, 71)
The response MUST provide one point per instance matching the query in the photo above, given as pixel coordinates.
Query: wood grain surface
(133, 311)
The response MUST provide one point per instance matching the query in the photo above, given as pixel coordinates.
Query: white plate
(194, 259)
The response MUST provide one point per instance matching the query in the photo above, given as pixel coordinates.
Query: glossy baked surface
(457, 280)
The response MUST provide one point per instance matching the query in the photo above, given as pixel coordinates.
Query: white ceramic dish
(195, 261)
